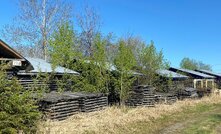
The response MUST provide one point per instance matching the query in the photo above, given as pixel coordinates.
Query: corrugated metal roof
(112, 67)
(193, 73)
(209, 72)
(170, 74)
(40, 65)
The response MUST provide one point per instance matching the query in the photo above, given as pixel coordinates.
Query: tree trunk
(121, 91)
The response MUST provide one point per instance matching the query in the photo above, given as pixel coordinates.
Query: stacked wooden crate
(58, 106)
(29, 83)
(149, 98)
(89, 102)
(166, 98)
(187, 92)
(170, 99)
(141, 96)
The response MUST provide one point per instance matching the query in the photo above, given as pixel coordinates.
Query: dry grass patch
(113, 118)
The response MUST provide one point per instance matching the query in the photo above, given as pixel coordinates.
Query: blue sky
(182, 28)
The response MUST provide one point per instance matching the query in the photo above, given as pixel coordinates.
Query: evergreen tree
(63, 46)
(17, 107)
(93, 68)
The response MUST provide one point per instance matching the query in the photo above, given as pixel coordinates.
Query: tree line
(45, 29)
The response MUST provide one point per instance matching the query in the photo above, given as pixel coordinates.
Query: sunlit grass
(136, 120)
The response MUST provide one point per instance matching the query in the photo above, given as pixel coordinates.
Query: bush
(18, 111)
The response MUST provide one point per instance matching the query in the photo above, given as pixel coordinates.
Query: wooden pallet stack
(149, 98)
(30, 84)
(187, 92)
(141, 96)
(90, 102)
(170, 99)
(58, 106)
(166, 98)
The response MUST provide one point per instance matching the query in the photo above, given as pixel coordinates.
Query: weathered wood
(61, 106)
(141, 96)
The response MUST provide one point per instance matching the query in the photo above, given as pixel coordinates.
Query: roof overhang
(193, 74)
(8, 54)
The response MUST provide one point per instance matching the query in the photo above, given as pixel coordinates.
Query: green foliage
(63, 46)
(124, 62)
(204, 66)
(94, 75)
(18, 111)
(150, 61)
(188, 64)
(94, 69)
(65, 52)
(44, 79)
(99, 59)
(192, 64)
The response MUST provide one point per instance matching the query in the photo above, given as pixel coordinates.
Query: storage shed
(196, 79)
(216, 75)
(14, 59)
(43, 67)
(178, 80)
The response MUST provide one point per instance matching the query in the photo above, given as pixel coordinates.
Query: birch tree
(35, 22)
(89, 23)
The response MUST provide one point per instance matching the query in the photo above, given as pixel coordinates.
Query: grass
(204, 125)
(202, 119)
(189, 116)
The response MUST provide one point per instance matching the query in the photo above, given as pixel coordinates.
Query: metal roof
(209, 72)
(40, 65)
(112, 67)
(191, 72)
(170, 74)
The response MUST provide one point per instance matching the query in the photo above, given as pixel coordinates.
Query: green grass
(204, 125)
(201, 119)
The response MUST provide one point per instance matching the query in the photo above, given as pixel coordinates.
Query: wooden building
(44, 68)
(15, 61)
(216, 75)
(196, 79)
(177, 80)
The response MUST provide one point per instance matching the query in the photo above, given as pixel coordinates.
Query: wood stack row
(58, 106)
(141, 96)
(30, 84)
(166, 98)
(92, 102)
(187, 92)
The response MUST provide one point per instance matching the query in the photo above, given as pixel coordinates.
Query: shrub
(18, 111)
